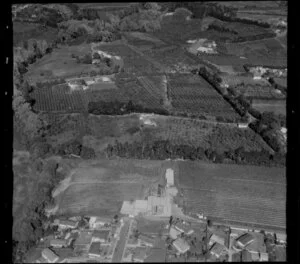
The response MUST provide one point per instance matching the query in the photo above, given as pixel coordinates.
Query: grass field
(247, 194)
(276, 106)
(60, 64)
(99, 188)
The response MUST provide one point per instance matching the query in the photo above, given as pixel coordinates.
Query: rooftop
(49, 254)
(140, 253)
(258, 244)
(217, 249)
(101, 234)
(181, 245)
(245, 239)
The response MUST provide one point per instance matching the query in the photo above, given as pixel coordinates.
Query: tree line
(164, 149)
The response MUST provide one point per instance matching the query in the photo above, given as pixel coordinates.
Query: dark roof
(64, 252)
(95, 248)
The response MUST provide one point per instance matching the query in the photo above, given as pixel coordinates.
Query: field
(60, 64)
(257, 92)
(275, 106)
(245, 194)
(99, 188)
(194, 95)
(25, 31)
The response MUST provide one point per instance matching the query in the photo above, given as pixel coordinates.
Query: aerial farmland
(149, 132)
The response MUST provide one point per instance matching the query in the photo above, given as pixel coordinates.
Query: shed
(181, 245)
(217, 250)
(49, 255)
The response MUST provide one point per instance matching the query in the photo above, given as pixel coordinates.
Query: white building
(170, 177)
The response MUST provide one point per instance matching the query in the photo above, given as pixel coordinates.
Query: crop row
(59, 101)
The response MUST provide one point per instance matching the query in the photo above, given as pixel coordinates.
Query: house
(100, 235)
(243, 241)
(146, 240)
(174, 233)
(98, 222)
(64, 253)
(94, 251)
(215, 238)
(65, 224)
(58, 243)
(218, 250)
(170, 177)
(49, 255)
(181, 245)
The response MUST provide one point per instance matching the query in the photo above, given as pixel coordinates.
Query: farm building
(98, 222)
(64, 253)
(101, 235)
(94, 251)
(49, 255)
(174, 233)
(65, 224)
(217, 239)
(184, 228)
(170, 177)
(181, 245)
(218, 250)
(243, 241)
(58, 243)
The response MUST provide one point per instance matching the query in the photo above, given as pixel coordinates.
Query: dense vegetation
(166, 150)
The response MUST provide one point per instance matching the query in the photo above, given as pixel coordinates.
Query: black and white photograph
(149, 132)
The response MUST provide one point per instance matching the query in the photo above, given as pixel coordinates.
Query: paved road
(119, 250)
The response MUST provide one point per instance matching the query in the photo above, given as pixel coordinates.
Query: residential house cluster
(79, 239)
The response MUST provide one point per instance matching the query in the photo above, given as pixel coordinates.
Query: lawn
(248, 194)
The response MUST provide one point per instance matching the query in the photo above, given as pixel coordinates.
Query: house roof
(84, 238)
(101, 234)
(217, 249)
(68, 223)
(49, 254)
(61, 242)
(95, 248)
(181, 244)
(174, 233)
(258, 244)
(245, 239)
(218, 239)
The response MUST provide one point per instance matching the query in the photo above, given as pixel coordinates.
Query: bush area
(31, 227)
(119, 108)
(166, 150)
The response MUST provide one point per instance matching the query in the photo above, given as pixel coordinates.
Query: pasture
(275, 106)
(99, 187)
(246, 194)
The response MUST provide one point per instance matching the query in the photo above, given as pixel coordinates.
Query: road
(121, 243)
